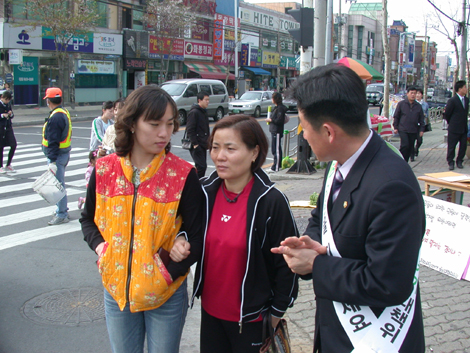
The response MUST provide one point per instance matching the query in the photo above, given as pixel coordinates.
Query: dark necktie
(337, 185)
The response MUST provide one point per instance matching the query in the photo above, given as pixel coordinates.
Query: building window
(102, 10)
(137, 20)
(350, 40)
(360, 34)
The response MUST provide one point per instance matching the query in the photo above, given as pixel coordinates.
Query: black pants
(407, 144)
(419, 142)
(199, 155)
(8, 139)
(452, 140)
(220, 336)
(276, 148)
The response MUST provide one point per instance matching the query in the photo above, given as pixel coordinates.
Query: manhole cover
(66, 307)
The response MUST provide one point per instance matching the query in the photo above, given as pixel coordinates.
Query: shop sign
(218, 38)
(154, 65)
(15, 57)
(104, 43)
(201, 30)
(245, 55)
(173, 48)
(256, 57)
(22, 37)
(139, 79)
(268, 41)
(95, 67)
(28, 72)
(136, 44)
(228, 53)
(266, 20)
(139, 64)
(270, 59)
(287, 63)
(195, 50)
(78, 44)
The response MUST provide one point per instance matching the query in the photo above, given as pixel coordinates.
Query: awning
(256, 70)
(207, 70)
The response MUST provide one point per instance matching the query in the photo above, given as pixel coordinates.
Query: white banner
(446, 244)
(95, 67)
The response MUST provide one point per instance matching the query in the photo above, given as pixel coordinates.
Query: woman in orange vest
(143, 203)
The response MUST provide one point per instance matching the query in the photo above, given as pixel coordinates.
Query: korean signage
(105, 43)
(28, 72)
(82, 43)
(95, 67)
(245, 55)
(256, 57)
(288, 63)
(195, 50)
(446, 245)
(263, 19)
(22, 37)
(270, 59)
(138, 64)
(174, 48)
(201, 32)
(223, 30)
(136, 44)
(228, 54)
(411, 50)
(15, 57)
(269, 41)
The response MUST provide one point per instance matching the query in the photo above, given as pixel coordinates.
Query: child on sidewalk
(91, 164)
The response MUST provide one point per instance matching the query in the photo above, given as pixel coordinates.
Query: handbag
(278, 340)
(427, 127)
(185, 142)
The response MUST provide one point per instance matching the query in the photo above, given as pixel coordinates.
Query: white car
(252, 103)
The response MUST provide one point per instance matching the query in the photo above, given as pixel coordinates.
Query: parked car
(184, 93)
(430, 94)
(375, 93)
(252, 103)
(291, 104)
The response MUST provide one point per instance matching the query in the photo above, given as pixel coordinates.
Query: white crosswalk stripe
(22, 209)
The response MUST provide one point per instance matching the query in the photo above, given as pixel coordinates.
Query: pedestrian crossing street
(23, 213)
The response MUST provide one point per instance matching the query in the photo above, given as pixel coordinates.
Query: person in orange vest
(56, 145)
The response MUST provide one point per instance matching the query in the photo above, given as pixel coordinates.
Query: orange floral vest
(136, 224)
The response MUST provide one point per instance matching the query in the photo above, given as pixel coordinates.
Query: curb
(39, 121)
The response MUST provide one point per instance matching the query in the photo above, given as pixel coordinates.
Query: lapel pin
(345, 204)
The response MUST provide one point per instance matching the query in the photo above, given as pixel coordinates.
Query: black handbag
(275, 341)
(185, 142)
(427, 127)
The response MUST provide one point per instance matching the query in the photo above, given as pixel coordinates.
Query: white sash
(366, 332)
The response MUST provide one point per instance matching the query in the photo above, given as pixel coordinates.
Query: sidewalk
(444, 299)
(32, 116)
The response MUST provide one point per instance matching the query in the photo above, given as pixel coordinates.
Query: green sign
(28, 72)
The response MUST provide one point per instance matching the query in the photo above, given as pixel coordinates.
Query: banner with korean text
(446, 244)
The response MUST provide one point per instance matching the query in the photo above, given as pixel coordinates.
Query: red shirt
(226, 255)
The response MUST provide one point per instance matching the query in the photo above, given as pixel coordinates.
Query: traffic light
(303, 34)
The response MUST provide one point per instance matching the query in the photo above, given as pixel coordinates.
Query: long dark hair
(251, 134)
(148, 103)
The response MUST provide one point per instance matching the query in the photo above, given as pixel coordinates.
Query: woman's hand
(180, 250)
(99, 249)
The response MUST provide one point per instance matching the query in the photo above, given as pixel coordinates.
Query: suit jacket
(378, 222)
(456, 115)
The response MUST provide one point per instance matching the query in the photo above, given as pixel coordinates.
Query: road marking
(30, 236)
(20, 200)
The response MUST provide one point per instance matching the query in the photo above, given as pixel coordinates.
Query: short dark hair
(411, 88)
(332, 93)
(6, 95)
(55, 100)
(459, 85)
(420, 90)
(107, 105)
(201, 94)
(118, 103)
(148, 103)
(251, 134)
(277, 98)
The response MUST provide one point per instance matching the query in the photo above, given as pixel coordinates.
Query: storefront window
(95, 81)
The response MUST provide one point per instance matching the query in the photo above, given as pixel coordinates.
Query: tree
(168, 20)
(63, 20)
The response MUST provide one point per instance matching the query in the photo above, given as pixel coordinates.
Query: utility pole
(328, 37)
(319, 33)
(463, 45)
(235, 3)
(386, 48)
(426, 68)
(340, 25)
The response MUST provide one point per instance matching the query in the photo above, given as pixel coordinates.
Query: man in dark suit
(456, 114)
(360, 248)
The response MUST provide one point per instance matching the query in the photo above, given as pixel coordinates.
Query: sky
(414, 14)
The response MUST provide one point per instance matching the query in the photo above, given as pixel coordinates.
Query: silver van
(184, 93)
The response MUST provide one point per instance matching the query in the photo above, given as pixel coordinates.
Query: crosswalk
(23, 213)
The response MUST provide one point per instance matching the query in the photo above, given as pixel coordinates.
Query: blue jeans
(61, 162)
(163, 325)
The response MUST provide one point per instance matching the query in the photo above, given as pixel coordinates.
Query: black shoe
(412, 159)
(459, 165)
(416, 154)
(451, 166)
